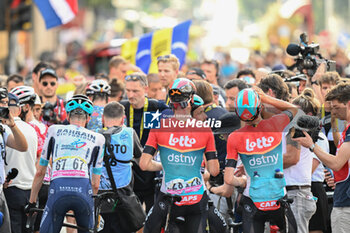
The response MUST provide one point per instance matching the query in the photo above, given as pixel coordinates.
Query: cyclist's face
(37, 111)
(136, 93)
(199, 114)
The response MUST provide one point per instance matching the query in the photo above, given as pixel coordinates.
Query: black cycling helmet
(181, 90)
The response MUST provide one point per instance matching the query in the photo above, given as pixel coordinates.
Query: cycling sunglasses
(47, 83)
(135, 78)
(163, 58)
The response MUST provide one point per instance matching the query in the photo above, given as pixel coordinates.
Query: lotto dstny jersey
(181, 153)
(73, 150)
(260, 149)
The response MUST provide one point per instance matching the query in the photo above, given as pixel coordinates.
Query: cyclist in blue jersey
(73, 149)
(259, 146)
(98, 91)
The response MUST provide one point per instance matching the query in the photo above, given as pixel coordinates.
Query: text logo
(182, 141)
(259, 143)
(263, 160)
(182, 159)
(151, 120)
(79, 144)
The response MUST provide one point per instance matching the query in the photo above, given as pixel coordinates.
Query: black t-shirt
(143, 179)
(220, 142)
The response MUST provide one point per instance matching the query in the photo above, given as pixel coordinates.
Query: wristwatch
(311, 148)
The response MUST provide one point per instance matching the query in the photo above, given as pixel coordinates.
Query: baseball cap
(229, 123)
(48, 71)
(197, 71)
(13, 97)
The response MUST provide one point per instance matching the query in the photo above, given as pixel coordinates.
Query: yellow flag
(161, 45)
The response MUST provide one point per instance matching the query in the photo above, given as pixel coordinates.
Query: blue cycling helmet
(80, 101)
(248, 105)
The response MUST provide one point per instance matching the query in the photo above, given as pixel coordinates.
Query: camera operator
(53, 111)
(14, 139)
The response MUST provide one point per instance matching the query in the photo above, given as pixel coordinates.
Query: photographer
(53, 111)
(14, 139)
(340, 103)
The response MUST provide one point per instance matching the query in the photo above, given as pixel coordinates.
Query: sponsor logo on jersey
(182, 159)
(77, 134)
(260, 143)
(79, 144)
(260, 161)
(267, 205)
(183, 141)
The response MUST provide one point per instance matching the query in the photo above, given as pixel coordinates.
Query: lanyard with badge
(131, 118)
(210, 107)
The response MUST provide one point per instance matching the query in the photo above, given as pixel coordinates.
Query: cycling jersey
(95, 123)
(122, 144)
(341, 193)
(181, 152)
(73, 150)
(260, 149)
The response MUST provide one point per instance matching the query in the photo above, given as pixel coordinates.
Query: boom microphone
(293, 49)
(11, 174)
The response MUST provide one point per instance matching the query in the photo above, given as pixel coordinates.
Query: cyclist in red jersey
(181, 144)
(259, 145)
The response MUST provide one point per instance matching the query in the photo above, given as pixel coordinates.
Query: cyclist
(181, 152)
(73, 150)
(98, 92)
(259, 146)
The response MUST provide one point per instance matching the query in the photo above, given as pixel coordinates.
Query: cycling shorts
(195, 215)
(68, 194)
(254, 219)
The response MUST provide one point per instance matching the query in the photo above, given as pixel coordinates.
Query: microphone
(11, 174)
(293, 49)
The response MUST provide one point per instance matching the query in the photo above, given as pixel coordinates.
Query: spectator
(117, 68)
(18, 192)
(168, 69)
(52, 103)
(36, 74)
(195, 74)
(155, 89)
(117, 90)
(135, 107)
(247, 75)
(15, 139)
(232, 88)
(14, 80)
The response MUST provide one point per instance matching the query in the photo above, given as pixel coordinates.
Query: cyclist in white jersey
(72, 150)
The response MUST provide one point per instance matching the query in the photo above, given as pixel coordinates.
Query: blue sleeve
(347, 135)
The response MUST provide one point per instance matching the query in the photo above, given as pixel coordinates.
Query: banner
(143, 51)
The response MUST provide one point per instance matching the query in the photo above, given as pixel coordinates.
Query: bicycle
(99, 198)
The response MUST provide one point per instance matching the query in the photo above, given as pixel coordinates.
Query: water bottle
(278, 173)
(256, 174)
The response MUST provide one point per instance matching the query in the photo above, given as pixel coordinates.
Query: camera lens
(4, 112)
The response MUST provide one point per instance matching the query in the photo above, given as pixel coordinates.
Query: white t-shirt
(318, 174)
(23, 161)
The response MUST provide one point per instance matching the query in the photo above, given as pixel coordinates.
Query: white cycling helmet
(24, 94)
(37, 100)
(98, 86)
